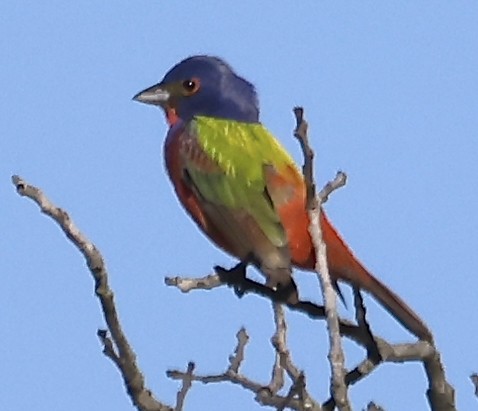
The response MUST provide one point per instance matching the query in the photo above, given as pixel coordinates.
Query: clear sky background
(391, 94)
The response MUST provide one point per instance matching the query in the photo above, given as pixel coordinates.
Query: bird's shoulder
(239, 147)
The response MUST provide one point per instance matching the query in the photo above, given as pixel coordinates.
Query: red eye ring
(190, 86)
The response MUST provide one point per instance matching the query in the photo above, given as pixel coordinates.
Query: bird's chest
(183, 151)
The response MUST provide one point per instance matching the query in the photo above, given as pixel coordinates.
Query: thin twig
(236, 360)
(301, 134)
(278, 339)
(339, 181)
(279, 342)
(187, 284)
(373, 352)
(186, 386)
(474, 381)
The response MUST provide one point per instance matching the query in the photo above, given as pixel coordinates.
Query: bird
(242, 188)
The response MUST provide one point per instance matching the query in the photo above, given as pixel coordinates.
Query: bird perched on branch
(243, 189)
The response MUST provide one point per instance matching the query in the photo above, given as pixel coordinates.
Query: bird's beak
(156, 95)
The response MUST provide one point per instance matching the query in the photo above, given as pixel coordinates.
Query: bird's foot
(235, 276)
(286, 293)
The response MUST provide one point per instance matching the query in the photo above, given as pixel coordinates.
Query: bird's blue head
(203, 86)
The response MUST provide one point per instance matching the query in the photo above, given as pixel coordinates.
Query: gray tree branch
(116, 346)
(336, 354)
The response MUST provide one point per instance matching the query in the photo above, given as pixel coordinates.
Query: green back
(241, 151)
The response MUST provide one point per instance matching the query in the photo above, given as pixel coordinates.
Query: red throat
(171, 116)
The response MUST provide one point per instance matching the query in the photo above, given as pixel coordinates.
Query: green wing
(240, 152)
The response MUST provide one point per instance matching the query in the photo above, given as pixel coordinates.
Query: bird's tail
(343, 265)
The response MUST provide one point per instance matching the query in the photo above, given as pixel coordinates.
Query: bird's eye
(190, 86)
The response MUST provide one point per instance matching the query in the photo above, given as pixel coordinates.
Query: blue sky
(391, 94)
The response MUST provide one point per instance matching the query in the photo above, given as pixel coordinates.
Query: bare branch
(336, 355)
(236, 360)
(377, 348)
(339, 181)
(297, 399)
(440, 394)
(371, 406)
(297, 388)
(187, 284)
(278, 341)
(117, 347)
(187, 383)
(474, 381)
(301, 134)
(373, 352)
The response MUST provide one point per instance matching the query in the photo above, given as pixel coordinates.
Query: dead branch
(278, 340)
(474, 381)
(116, 346)
(297, 398)
(336, 354)
(187, 384)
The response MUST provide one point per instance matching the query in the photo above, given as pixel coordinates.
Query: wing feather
(240, 151)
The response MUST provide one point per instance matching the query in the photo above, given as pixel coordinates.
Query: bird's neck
(231, 110)
(171, 116)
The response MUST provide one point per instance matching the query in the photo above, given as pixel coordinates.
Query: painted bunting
(242, 188)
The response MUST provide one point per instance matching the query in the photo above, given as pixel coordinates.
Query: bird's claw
(234, 276)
